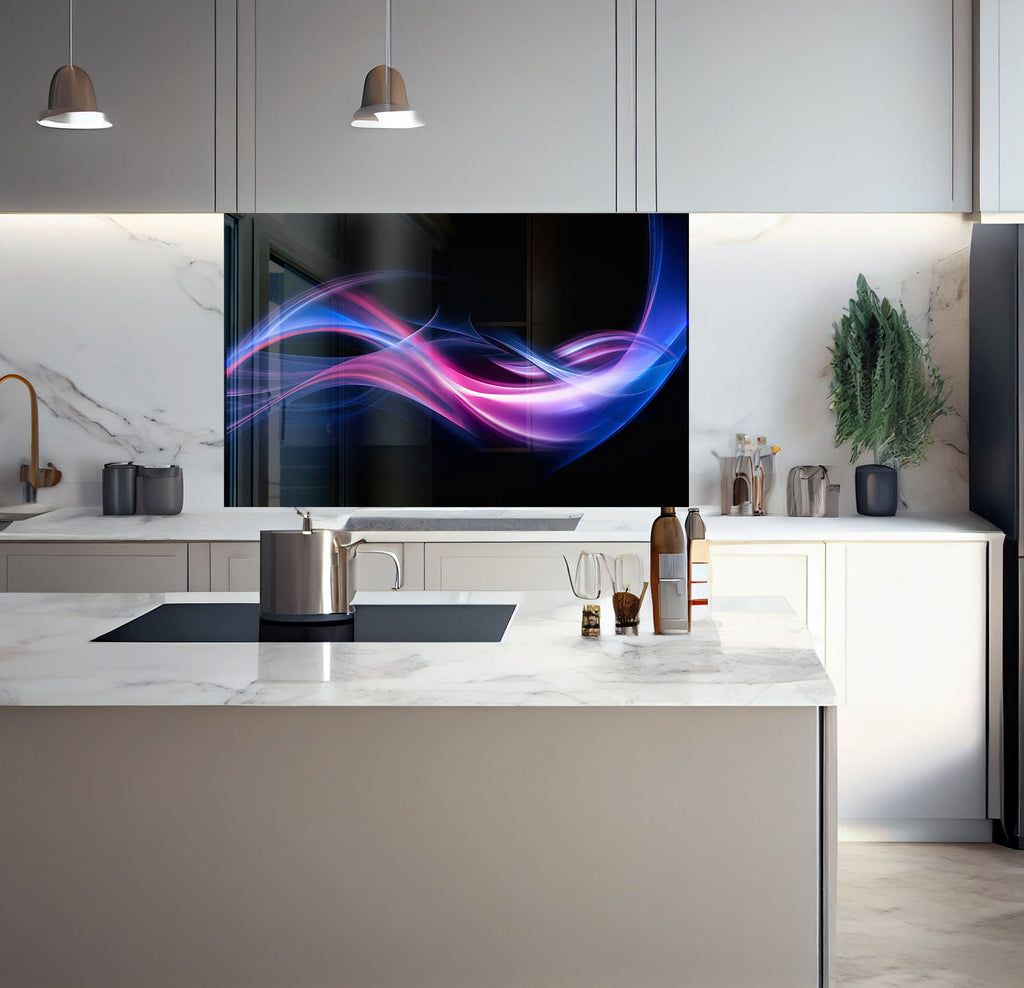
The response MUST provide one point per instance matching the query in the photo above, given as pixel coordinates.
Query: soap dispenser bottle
(668, 573)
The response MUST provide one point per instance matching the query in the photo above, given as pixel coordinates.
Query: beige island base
(309, 833)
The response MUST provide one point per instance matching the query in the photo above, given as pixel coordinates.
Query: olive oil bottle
(668, 573)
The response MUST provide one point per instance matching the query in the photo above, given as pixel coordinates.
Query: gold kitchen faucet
(30, 475)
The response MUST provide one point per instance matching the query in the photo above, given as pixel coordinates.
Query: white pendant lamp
(385, 103)
(72, 104)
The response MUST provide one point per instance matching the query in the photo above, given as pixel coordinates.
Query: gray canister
(160, 490)
(119, 488)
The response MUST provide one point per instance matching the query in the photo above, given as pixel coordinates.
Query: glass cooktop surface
(240, 622)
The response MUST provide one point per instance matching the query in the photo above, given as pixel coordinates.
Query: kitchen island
(546, 810)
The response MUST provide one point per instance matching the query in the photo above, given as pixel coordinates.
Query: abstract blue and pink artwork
(539, 410)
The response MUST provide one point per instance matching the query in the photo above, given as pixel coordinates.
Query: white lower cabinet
(512, 565)
(903, 629)
(234, 566)
(94, 567)
(794, 571)
(912, 734)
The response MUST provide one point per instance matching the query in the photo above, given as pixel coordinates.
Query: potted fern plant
(886, 393)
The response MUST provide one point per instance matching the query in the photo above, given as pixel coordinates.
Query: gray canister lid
(164, 472)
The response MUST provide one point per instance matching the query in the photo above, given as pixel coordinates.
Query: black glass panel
(240, 622)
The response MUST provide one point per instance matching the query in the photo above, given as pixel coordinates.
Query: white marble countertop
(595, 525)
(753, 652)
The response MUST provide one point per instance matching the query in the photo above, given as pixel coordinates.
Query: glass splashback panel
(458, 360)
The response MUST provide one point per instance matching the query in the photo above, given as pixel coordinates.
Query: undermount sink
(18, 512)
(463, 520)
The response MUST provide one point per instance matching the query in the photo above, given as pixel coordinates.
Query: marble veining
(937, 306)
(118, 322)
(765, 290)
(745, 656)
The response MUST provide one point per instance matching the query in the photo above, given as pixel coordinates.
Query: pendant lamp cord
(387, 53)
(71, 32)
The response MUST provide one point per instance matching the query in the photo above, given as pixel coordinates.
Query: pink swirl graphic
(484, 388)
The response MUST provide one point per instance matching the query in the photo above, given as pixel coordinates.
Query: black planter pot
(878, 489)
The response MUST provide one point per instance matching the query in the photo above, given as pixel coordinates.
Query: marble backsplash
(764, 292)
(118, 321)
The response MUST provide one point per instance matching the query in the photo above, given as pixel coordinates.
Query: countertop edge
(69, 525)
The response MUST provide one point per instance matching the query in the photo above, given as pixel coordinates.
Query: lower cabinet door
(234, 566)
(100, 567)
(794, 571)
(912, 733)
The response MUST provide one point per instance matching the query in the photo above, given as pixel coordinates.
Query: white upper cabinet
(1000, 106)
(574, 105)
(800, 105)
(519, 102)
(153, 69)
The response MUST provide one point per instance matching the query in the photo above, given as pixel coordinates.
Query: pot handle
(394, 558)
(341, 547)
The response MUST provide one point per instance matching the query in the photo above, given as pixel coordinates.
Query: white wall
(764, 292)
(118, 322)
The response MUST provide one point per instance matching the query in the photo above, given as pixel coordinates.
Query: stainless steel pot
(307, 573)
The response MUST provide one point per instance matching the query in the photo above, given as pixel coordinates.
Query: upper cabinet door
(153, 69)
(518, 101)
(1000, 106)
(800, 105)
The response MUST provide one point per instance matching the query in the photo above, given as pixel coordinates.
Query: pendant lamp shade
(72, 103)
(385, 105)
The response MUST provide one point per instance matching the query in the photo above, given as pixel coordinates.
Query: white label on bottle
(672, 593)
(672, 566)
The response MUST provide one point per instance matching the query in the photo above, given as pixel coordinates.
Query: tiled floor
(941, 915)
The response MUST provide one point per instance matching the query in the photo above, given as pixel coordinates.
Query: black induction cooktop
(240, 622)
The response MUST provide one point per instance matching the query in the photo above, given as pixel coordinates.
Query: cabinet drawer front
(97, 569)
(772, 574)
(793, 571)
(515, 565)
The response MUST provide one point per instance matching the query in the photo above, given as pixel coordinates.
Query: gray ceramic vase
(878, 489)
